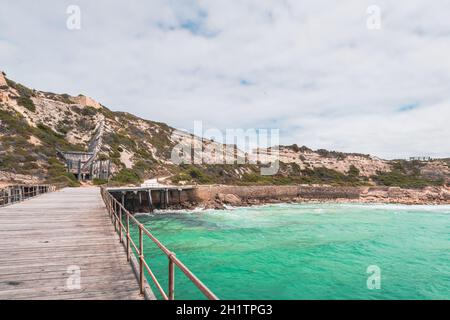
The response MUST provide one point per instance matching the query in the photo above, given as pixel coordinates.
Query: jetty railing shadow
(18, 193)
(121, 218)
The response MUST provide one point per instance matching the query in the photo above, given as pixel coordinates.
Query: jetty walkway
(62, 245)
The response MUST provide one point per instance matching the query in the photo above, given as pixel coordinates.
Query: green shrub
(99, 182)
(14, 123)
(114, 153)
(182, 176)
(62, 128)
(127, 176)
(353, 171)
(85, 124)
(106, 112)
(65, 180)
(27, 103)
(117, 139)
(65, 98)
(25, 95)
(88, 111)
(399, 179)
(405, 174)
(102, 157)
(53, 139)
(142, 167)
(199, 176)
(256, 178)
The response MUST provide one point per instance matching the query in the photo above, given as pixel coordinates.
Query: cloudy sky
(311, 68)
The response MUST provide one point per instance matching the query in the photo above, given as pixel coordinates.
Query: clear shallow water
(307, 251)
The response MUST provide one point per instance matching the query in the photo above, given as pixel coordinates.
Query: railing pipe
(128, 239)
(171, 279)
(120, 224)
(112, 204)
(141, 260)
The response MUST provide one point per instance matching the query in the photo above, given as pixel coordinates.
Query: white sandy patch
(34, 141)
(125, 158)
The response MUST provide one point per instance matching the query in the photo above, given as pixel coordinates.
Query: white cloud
(311, 68)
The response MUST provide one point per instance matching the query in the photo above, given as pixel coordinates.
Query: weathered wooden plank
(43, 271)
(44, 236)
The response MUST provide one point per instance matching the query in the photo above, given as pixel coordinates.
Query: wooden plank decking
(41, 238)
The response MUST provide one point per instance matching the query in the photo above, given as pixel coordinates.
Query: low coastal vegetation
(126, 176)
(250, 175)
(99, 182)
(25, 95)
(19, 155)
(405, 174)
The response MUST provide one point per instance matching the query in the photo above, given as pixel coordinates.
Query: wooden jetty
(62, 245)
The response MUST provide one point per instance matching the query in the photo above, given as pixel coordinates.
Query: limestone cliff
(35, 125)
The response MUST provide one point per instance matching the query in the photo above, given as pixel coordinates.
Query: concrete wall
(208, 193)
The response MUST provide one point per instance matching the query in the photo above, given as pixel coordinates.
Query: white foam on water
(317, 208)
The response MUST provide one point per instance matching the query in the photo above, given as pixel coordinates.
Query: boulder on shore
(229, 198)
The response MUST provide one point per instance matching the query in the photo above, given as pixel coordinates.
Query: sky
(326, 74)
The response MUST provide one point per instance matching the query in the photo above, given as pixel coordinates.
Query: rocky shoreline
(219, 197)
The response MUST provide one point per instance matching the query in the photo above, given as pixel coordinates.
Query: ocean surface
(307, 251)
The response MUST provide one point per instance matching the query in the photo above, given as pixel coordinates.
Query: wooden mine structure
(84, 165)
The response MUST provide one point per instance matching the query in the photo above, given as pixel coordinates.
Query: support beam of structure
(167, 197)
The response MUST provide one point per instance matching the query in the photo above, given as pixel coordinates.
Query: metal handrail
(16, 193)
(116, 211)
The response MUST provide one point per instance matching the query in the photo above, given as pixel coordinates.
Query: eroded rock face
(4, 97)
(14, 178)
(2, 79)
(436, 170)
(216, 196)
(428, 195)
(229, 198)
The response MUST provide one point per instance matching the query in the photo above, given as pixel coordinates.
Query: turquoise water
(307, 251)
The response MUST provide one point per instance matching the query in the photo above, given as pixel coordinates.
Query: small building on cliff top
(86, 101)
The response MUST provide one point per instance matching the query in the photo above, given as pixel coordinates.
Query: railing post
(141, 260)
(120, 224)
(128, 238)
(110, 207)
(114, 210)
(171, 278)
(108, 198)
